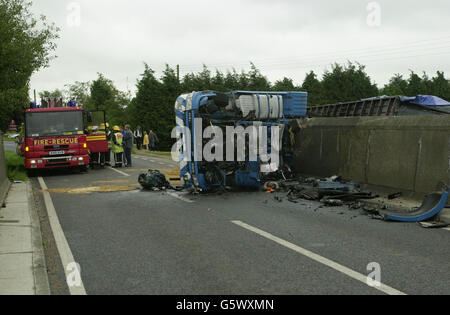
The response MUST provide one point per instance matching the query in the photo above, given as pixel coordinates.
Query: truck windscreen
(47, 124)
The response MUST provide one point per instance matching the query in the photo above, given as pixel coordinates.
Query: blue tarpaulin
(425, 100)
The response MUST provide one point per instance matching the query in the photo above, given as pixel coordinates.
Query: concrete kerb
(42, 286)
(24, 267)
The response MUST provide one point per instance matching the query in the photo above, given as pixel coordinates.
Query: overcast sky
(282, 37)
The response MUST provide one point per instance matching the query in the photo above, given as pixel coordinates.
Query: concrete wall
(4, 181)
(409, 153)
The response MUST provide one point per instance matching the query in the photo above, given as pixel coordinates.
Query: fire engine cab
(54, 137)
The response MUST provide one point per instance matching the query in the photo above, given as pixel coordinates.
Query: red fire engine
(55, 137)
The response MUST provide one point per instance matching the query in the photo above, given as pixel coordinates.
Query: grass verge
(163, 153)
(146, 152)
(15, 166)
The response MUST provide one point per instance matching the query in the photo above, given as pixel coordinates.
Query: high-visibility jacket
(117, 143)
(109, 137)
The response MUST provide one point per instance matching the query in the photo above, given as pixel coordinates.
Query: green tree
(148, 106)
(243, 81)
(190, 83)
(440, 86)
(105, 96)
(313, 86)
(347, 83)
(204, 79)
(256, 81)
(218, 82)
(170, 89)
(396, 86)
(25, 47)
(231, 81)
(416, 85)
(51, 94)
(285, 84)
(80, 91)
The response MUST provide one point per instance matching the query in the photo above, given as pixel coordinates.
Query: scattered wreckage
(203, 118)
(331, 192)
(334, 193)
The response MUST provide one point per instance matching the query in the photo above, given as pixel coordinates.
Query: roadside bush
(15, 166)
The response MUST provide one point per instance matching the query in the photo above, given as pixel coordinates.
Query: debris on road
(432, 205)
(395, 196)
(155, 180)
(434, 225)
(333, 202)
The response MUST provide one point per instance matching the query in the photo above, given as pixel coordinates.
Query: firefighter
(117, 147)
(109, 135)
(102, 155)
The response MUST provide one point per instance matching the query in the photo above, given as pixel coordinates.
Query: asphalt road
(139, 242)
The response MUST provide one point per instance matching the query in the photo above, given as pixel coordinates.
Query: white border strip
(120, 172)
(61, 242)
(347, 271)
(175, 195)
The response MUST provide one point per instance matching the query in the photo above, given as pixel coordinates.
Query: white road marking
(120, 172)
(325, 261)
(61, 242)
(180, 197)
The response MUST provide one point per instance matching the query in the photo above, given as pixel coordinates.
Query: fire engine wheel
(32, 173)
(83, 169)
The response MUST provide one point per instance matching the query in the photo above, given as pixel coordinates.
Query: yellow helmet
(102, 127)
(89, 128)
(116, 128)
(107, 125)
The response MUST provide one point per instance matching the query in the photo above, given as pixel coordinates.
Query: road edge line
(175, 195)
(120, 172)
(61, 242)
(320, 259)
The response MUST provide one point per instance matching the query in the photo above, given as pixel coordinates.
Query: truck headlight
(33, 162)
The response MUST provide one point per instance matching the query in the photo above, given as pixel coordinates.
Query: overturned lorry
(235, 139)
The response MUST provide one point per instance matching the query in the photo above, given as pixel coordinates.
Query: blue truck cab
(268, 113)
